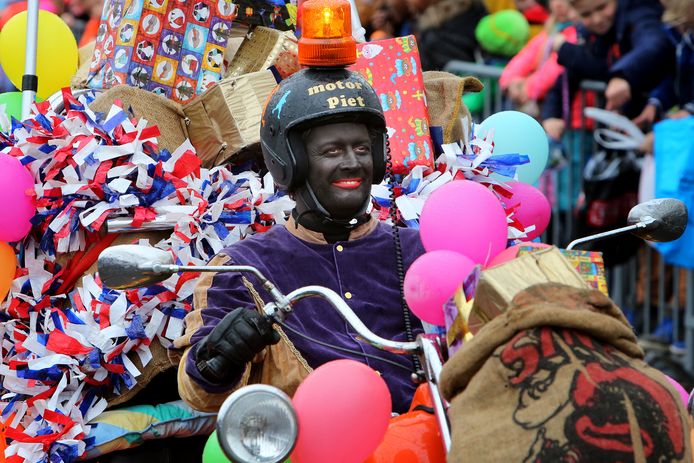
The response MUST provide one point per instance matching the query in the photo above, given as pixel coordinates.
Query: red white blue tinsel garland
(65, 347)
(65, 351)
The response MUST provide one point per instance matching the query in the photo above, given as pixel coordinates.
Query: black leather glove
(233, 343)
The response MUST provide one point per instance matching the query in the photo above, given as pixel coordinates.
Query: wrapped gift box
(499, 284)
(588, 264)
(225, 121)
(170, 47)
(392, 67)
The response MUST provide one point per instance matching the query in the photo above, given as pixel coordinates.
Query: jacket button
(339, 248)
(348, 295)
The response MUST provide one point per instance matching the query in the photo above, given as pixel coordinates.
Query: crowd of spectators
(642, 49)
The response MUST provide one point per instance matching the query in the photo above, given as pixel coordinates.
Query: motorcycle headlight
(257, 424)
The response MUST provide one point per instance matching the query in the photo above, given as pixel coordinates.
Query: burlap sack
(224, 122)
(84, 54)
(157, 110)
(444, 92)
(559, 377)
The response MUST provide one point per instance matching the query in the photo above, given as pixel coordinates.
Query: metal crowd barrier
(650, 292)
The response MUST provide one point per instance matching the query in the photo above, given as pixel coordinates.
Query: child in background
(672, 99)
(621, 42)
(677, 90)
(532, 72)
(526, 80)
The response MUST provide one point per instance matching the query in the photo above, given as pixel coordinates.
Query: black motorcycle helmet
(310, 98)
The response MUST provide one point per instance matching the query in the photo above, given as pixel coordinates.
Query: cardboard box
(498, 285)
(265, 48)
(588, 264)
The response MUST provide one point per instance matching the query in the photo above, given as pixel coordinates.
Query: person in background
(391, 19)
(445, 30)
(677, 90)
(621, 42)
(673, 99)
(533, 71)
(526, 80)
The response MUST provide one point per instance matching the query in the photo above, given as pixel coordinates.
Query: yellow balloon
(56, 54)
(8, 267)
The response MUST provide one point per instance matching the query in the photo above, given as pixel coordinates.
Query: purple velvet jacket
(362, 270)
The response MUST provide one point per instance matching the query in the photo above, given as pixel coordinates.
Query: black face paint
(340, 169)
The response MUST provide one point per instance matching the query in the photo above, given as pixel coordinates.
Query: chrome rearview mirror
(131, 266)
(666, 219)
(663, 219)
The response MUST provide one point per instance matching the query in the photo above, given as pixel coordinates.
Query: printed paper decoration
(173, 48)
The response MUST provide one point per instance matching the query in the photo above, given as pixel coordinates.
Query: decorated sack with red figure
(559, 377)
(392, 67)
(171, 47)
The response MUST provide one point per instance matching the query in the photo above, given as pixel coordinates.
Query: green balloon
(213, 452)
(13, 105)
(503, 33)
(474, 101)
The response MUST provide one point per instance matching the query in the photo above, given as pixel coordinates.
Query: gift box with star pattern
(392, 67)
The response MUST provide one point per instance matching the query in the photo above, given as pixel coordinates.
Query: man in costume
(323, 140)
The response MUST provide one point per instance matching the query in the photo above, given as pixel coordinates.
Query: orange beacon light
(326, 34)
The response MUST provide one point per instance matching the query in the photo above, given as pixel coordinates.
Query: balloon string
(344, 349)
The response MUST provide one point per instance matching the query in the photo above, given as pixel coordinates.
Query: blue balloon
(516, 132)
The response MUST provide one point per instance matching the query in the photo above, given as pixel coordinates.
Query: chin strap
(314, 207)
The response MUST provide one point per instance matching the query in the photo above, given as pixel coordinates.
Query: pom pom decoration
(66, 349)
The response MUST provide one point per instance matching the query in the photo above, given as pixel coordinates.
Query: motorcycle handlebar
(276, 311)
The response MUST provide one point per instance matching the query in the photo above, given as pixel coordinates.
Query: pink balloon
(511, 253)
(533, 207)
(431, 280)
(465, 217)
(16, 206)
(343, 409)
(682, 391)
